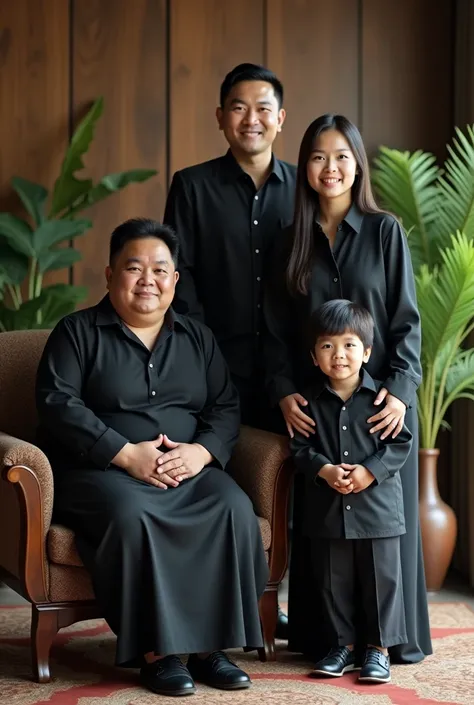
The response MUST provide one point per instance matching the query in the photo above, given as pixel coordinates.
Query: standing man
(226, 213)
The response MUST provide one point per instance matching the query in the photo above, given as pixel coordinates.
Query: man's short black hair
(250, 72)
(337, 316)
(138, 228)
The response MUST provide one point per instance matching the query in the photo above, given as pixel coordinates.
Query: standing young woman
(342, 246)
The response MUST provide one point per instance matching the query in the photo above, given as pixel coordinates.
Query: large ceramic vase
(437, 520)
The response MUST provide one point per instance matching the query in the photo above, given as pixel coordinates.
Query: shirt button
(259, 279)
(343, 408)
(257, 252)
(150, 365)
(259, 305)
(344, 428)
(339, 227)
(346, 452)
(153, 393)
(255, 222)
(256, 198)
(258, 332)
(348, 507)
(335, 279)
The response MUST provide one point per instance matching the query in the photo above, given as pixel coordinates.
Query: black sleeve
(404, 341)
(179, 214)
(308, 459)
(390, 457)
(219, 422)
(61, 411)
(280, 330)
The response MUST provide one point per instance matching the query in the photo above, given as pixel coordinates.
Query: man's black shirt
(226, 229)
(99, 387)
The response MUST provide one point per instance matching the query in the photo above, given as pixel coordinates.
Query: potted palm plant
(436, 207)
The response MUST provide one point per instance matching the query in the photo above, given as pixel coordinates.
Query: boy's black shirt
(342, 436)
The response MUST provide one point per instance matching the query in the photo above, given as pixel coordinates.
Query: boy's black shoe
(336, 663)
(376, 668)
(167, 676)
(218, 671)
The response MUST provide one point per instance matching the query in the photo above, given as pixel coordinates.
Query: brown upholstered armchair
(38, 558)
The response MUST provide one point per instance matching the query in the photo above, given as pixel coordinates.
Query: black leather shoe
(376, 667)
(218, 671)
(336, 663)
(167, 676)
(281, 631)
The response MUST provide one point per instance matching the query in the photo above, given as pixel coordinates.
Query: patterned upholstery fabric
(255, 464)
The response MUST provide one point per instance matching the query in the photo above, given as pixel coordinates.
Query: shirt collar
(353, 218)
(106, 315)
(366, 382)
(232, 169)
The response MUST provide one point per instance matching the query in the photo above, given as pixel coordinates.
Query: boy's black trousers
(360, 586)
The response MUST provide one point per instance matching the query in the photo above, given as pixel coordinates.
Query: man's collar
(106, 315)
(232, 169)
(366, 382)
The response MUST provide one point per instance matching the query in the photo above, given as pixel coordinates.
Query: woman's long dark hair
(307, 201)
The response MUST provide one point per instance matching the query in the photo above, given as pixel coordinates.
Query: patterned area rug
(83, 672)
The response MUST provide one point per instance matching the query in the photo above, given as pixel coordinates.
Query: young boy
(353, 501)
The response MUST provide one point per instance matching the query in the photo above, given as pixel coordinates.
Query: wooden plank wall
(387, 64)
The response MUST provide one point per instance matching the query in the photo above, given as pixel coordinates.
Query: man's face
(250, 117)
(142, 280)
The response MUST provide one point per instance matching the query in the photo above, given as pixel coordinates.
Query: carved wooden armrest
(27, 468)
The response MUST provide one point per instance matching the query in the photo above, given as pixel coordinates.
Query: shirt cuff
(279, 388)
(377, 468)
(216, 448)
(402, 387)
(106, 448)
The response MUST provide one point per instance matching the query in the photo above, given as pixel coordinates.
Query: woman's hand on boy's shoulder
(295, 418)
(391, 417)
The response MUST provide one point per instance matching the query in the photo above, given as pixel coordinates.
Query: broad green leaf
(68, 189)
(54, 231)
(59, 300)
(33, 196)
(109, 184)
(18, 233)
(24, 318)
(58, 259)
(44, 311)
(13, 265)
(407, 186)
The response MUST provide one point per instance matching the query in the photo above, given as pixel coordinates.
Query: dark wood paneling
(208, 38)
(312, 45)
(464, 64)
(34, 87)
(407, 69)
(119, 51)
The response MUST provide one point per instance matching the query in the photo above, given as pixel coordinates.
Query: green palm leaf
(461, 373)
(445, 297)
(457, 186)
(407, 186)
